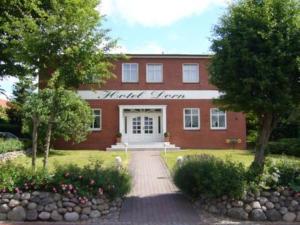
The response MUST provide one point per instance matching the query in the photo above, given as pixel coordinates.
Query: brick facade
(205, 137)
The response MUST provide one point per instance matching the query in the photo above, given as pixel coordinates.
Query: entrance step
(160, 146)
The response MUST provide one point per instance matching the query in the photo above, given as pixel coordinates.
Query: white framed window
(191, 118)
(97, 119)
(154, 73)
(130, 72)
(190, 73)
(218, 120)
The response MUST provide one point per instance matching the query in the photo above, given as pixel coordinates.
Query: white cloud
(156, 12)
(7, 84)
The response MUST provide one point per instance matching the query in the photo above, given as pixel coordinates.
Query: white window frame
(123, 73)
(198, 73)
(199, 119)
(100, 120)
(211, 123)
(161, 73)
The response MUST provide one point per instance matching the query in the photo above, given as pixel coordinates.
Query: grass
(243, 156)
(78, 157)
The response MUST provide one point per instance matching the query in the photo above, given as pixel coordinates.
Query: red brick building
(155, 94)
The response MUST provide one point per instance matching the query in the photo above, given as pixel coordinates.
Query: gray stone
(286, 193)
(50, 207)
(258, 215)
(289, 217)
(3, 216)
(276, 193)
(17, 196)
(84, 217)
(40, 208)
(57, 197)
(62, 210)
(269, 205)
(237, 203)
(56, 216)
(24, 202)
(25, 196)
(294, 203)
(71, 216)
(31, 214)
(4, 208)
(86, 210)
(213, 209)
(13, 203)
(238, 213)
(262, 200)
(255, 205)
(32, 205)
(17, 214)
(77, 209)
(103, 207)
(44, 215)
(274, 199)
(273, 215)
(248, 208)
(283, 210)
(69, 204)
(95, 214)
(265, 194)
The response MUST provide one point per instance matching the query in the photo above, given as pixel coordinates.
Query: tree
(60, 110)
(256, 62)
(21, 90)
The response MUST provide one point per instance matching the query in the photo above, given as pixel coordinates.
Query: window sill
(223, 128)
(95, 129)
(192, 129)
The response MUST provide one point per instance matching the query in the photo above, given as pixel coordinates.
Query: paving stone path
(154, 198)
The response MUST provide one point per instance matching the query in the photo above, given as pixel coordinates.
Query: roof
(180, 56)
(3, 103)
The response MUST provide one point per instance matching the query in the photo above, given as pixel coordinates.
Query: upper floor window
(190, 73)
(154, 73)
(130, 73)
(217, 119)
(96, 125)
(191, 118)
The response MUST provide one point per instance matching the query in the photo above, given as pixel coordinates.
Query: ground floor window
(191, 118)
(96, 125)
(217, 119)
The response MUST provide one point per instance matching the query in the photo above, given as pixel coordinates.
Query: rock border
(46, 206)
(11, 155)
(281, 205)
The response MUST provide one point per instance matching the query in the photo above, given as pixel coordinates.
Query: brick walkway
(154, 198)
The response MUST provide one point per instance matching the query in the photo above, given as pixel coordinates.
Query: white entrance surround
(144, 123)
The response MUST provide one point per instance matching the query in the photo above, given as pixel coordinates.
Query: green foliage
(10, 145)
(256, 60)
(89, 181)
(284, 173)
(210, 176)
(286, 146)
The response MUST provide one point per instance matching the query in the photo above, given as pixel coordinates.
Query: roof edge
(187, 56)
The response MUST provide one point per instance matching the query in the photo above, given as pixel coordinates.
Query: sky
(157, 26)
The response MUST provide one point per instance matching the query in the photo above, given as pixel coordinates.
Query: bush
(210, 176)
(10, 145)
(286, 146)
(89, 181)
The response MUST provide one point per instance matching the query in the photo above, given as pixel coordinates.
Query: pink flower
(67, 174)
(80, 177)
(100, 190)
(92, 182)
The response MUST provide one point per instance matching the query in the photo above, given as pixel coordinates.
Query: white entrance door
(143, 127)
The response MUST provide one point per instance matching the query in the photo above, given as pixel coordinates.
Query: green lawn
(79, 157)
(244, 156)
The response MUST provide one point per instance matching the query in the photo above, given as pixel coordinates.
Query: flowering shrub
(85, 182)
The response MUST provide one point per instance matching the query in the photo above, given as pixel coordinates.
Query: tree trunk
(265, 129)
(47, 141)
(35, 123)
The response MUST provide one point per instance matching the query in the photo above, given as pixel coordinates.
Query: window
(154, 73)
(130, 72)
(96, 125)
(191, 119)
(217, 119)
(190, 73)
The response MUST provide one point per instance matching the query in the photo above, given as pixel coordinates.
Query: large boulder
(31, 214)
(273, 215)
(289, 217)
(258, 215)
(71, 216)
(17, 214)
(238, 213)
